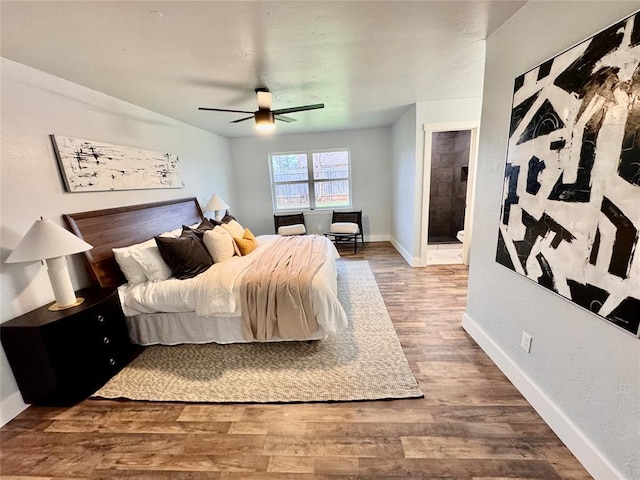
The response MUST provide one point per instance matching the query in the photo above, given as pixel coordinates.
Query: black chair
(288, 220)
(348, 217)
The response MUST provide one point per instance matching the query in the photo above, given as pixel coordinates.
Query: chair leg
(355, 244)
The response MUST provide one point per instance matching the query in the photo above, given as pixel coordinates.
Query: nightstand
(60, 358)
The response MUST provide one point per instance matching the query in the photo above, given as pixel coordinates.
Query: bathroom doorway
(449, 165)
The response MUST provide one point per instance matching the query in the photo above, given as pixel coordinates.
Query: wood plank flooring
(472, 423)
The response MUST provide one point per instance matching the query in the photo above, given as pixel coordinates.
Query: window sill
(316, 211)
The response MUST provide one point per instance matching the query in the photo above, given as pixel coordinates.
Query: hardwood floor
(472, 424)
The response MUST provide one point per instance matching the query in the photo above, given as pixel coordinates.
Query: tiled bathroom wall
(449, 169)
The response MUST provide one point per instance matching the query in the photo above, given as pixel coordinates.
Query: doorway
(449, 174)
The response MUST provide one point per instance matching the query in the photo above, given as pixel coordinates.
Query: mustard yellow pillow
(247, 243)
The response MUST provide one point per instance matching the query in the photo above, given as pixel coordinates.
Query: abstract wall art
(90, 166)
(570, 217)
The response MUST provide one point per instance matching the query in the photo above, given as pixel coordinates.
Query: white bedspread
(216, 291)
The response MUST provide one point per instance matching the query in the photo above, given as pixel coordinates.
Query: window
(309, 180)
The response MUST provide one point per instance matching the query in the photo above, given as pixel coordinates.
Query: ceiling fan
(265, 117)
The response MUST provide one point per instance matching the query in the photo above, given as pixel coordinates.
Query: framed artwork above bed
(570, 217)
(91, 166)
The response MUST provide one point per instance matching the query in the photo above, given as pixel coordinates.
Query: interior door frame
(429, 130)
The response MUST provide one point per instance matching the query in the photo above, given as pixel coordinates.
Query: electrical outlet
(319, 227)
(525, 342)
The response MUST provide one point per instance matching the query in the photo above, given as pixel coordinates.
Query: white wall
(408, 166)
(583, 374)
(403, 139)
(35, 105)
(443, 112)
(370, 172)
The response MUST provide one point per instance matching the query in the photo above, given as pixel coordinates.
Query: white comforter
(216, 291)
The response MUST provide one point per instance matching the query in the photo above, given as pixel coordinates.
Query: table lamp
(48, 241)
(216, 205)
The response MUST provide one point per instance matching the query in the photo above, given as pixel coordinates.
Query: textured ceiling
(366, 61)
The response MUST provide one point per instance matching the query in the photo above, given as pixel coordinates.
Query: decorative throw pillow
(130, 267)
(227, 217)
(297, 229)
(219, 243)
(344, 227)
(192, 231)
(205, 225)
(247, 243)
(149, 258)
(234, 228)
(185, 255)
(208, 224)
(142, 261)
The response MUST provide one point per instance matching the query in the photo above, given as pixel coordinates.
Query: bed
(176, 311)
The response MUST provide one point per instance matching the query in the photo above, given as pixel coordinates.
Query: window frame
(310, 181)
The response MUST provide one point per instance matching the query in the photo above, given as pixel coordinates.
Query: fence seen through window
(307, 180)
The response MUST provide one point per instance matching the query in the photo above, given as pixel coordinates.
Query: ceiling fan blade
(282, 118)
(242, 119)
(223, 110)
(298, 109)
(264, 99)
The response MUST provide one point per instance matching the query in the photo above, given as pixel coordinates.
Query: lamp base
(55, 307)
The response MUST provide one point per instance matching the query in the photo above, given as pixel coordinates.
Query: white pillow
(220, 244)
(130, 267)
(344, 227)
(130, 260)
(297, 229)
(234, 228)
(148, 256)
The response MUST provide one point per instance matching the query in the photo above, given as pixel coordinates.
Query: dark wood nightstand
(60, 358)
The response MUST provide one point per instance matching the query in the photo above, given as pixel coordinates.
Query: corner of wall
(11, 407)
(412, 261)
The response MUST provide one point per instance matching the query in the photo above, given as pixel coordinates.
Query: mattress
(206, 308)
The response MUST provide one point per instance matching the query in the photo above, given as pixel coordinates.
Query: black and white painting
(89, 166)
(570, 216)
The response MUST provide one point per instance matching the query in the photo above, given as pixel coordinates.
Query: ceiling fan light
(265, 120)
(265, 126)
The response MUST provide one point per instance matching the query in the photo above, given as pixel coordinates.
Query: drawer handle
(100, 319)
(106, 340)
(112, 362)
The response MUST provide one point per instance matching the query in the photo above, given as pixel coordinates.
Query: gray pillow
(208, 224)
(205, 225)
(186, 255)
(227, 217)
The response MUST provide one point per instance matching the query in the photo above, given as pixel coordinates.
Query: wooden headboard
(123, 226)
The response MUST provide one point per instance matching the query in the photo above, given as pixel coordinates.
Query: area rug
(365, 362)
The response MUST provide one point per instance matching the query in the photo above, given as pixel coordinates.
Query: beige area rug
(365, 362)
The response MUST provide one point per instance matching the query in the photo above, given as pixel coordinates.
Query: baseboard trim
(11, 407)
(413, 262)
(591, 458)
(376, 238)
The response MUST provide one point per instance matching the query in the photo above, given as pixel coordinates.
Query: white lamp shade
(46, 239)
(215, 203)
